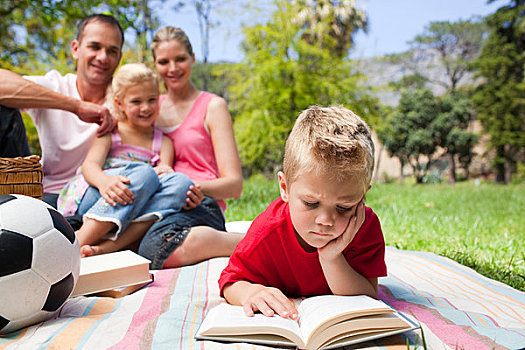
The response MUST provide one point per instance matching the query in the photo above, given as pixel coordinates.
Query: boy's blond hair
(331, 141)
(128, 75)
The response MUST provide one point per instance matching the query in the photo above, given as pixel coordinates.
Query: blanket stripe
(474, 309)
(155, 303)
(456, 308)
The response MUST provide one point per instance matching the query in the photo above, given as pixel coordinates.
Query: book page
(226, 319)
(347, 331)
(318, 313)
(111, 261)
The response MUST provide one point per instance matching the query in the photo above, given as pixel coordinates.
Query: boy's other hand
(268, 301)
(336, 246)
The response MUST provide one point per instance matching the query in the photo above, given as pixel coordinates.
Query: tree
(450, 132)
(423, 128)
(204, 11)
(500, 97)
(457, 45)
(282, 74)
(409, 138)
(330, 23)
(137, 17)
(36, 35)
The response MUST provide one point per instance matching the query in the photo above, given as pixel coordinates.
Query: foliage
(281, 75)
(32, 135)
(457, 44)
(421, 123)
(500, 97)
(330, 23)
(218, 77)
(36, 35)
(450, 131)
(480, 226)
(203, 9)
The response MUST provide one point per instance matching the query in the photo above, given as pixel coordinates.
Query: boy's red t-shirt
(270, 255)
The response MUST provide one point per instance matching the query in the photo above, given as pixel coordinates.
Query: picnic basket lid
(21, 175)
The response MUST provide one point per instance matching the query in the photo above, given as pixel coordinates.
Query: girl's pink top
(194, 155)
(119, 155)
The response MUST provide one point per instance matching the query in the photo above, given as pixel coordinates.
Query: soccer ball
(39, 261)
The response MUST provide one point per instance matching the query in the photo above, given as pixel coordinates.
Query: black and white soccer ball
(39, 261)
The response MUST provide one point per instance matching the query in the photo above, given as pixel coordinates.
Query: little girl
(130, 171)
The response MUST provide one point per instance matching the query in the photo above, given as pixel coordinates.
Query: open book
(324, 322)
(114, 274)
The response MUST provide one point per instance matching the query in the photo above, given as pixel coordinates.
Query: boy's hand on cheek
(336, 246)
(268, 301)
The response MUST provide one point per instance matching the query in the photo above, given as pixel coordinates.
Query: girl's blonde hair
(128, 75)
(171, 33)
(332, 141)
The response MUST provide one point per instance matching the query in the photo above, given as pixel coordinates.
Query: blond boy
(317, 237)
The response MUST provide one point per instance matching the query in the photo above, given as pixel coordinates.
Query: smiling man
(68, 111)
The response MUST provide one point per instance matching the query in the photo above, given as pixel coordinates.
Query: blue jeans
(167, 234)
(154, 197)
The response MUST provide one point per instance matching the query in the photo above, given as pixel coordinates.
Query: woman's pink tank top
(194, 155)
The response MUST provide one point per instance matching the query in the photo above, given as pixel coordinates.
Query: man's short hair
(99, 17)
(329, 140)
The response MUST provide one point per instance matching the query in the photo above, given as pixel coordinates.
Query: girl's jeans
(154, 197)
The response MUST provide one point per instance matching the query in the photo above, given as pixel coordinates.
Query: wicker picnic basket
(21, 175)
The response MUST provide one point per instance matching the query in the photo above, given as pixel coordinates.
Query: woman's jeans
(154, 197)
(167, 234)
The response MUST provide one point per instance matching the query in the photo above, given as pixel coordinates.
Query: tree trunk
(378, 162)
(508, 171)
(452, 169)
(401, 174)
(500, 165)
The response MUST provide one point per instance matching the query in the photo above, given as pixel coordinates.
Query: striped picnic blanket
(456, 308)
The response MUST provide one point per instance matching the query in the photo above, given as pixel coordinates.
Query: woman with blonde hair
(200, 126)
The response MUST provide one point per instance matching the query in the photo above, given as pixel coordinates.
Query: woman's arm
(112, 188)
(219, 123)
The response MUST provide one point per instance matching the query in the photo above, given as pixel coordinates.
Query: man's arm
(17, 92)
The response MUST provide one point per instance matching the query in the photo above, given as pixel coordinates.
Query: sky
(392, 24)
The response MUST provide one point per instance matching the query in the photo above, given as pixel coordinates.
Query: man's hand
(114, 191)
(94, 113)
(336, 246)
(194, 198)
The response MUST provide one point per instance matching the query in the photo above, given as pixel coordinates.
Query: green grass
(482, 227)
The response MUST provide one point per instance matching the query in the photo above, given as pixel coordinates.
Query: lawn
(482, 226)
